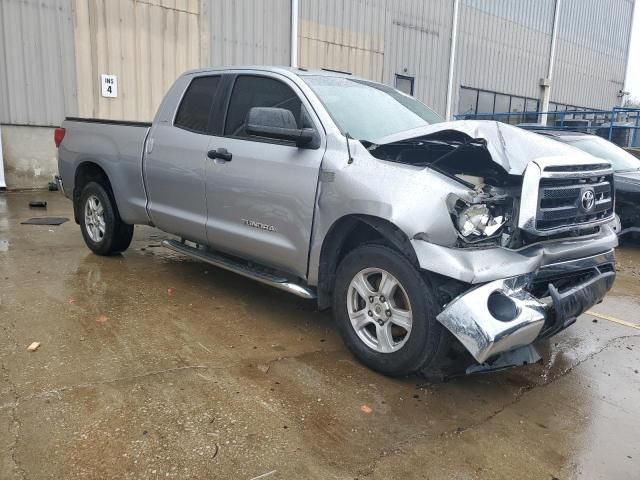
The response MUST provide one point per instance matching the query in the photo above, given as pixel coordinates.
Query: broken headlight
(478, 222)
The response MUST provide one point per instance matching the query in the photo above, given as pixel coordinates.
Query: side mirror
(277, 123)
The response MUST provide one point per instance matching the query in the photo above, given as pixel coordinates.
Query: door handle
(220, 153)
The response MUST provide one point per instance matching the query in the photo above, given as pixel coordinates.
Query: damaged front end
(502, 315)
(532, 248)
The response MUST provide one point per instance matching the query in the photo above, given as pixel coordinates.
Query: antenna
(348, 137)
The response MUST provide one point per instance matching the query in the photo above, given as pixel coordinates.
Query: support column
(452, 58)
(294, 33)
(545, 83)
(3, 185)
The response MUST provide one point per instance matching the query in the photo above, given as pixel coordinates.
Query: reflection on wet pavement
(153, 365)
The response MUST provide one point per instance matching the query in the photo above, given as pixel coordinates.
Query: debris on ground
(33, 347)
(170, 291)
(102, 318)
(366, 408)
(264, 475)
(263, 367)
(38, 204)
(45, 221)
(52, 186)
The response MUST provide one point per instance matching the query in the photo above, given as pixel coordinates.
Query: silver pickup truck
(439, 245)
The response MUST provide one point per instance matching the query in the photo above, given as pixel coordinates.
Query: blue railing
(619, 125)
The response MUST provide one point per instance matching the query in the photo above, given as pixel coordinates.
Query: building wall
(52, 52)
(503, 46)
(591, 52)
(146, 43)
(417, 44)
(247, 32)
(29, 156)
(346, 35)
(37, 65)
(378, 39)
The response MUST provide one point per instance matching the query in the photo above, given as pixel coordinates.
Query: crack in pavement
(58, 391)
(16, 425)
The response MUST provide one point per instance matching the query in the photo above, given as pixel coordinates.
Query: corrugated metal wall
(418, 44)
(37, 71)
(345, 35)
(248, 32)
(377, 39)
(52, 52)
(503, 45)
(146, 43)
(591, 52)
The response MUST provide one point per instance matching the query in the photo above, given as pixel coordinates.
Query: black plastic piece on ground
(38, 204)
(45, 221)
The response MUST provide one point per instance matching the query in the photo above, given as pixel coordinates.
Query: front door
(261, 199)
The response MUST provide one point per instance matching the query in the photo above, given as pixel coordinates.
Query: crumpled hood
(510, 147)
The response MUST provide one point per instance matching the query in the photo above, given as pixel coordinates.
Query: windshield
(368, 110)
(606, 150)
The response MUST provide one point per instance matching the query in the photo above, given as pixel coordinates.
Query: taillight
(58, 136)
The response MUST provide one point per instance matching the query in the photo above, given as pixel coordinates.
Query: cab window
(195, 107)
(255, 91)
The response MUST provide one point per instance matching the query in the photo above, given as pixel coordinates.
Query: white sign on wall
(109, 85)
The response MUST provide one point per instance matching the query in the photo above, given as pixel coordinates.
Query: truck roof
(298, 71)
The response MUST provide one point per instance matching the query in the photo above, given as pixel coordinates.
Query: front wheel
(386, 312)
(102, 229)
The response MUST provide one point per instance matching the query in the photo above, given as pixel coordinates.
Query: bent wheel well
(349, 233)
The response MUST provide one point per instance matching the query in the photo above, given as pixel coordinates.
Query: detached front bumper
(502, 315)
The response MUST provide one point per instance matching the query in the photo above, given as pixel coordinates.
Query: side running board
(256, 273)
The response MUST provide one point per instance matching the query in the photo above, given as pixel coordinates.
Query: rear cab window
(194, 112)
(258, 91)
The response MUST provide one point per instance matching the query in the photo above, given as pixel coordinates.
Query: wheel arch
(88, 171)
(346, 234)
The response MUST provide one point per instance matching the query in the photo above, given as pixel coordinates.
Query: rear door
(261, 201)
(176, 159)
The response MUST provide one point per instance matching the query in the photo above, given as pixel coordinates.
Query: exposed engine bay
(492, 168)
(486, 215)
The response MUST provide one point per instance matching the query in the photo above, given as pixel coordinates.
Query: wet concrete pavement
(152, 365)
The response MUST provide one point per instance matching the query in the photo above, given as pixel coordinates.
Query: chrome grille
(561, 203)
(566, 197)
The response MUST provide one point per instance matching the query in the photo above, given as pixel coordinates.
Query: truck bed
(117, 147)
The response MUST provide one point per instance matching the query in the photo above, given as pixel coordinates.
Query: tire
(399, 351)
(102, 229)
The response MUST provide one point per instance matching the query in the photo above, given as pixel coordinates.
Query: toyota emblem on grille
(588, 200)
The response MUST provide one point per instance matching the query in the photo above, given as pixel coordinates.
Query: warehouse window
(193, 113)
(487, 105)
(486, 101)
(404, 84)
(468, 101)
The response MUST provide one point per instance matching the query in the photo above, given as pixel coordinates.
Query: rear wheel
(385, 312)
(102, 229)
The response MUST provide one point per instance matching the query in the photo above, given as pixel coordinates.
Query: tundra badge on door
(254, 224)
